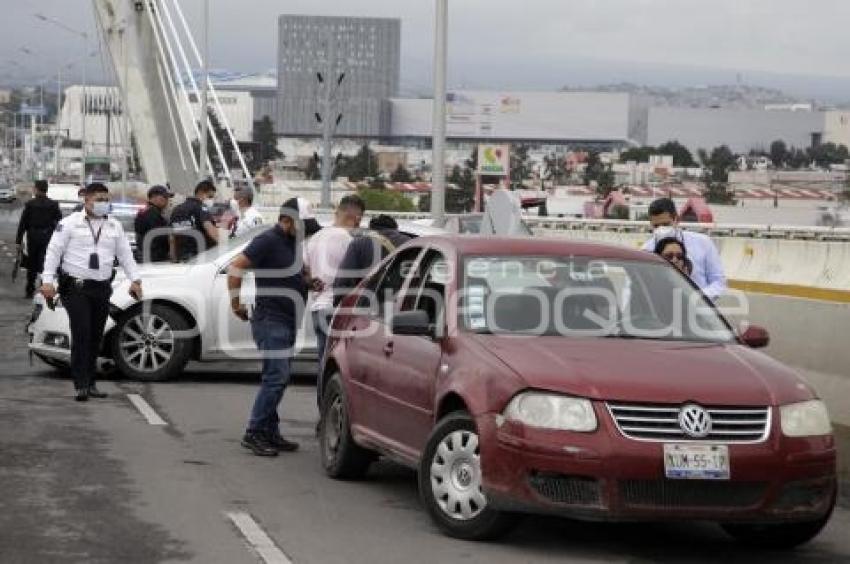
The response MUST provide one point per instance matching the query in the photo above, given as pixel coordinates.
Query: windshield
(586, 297)
(227, 245)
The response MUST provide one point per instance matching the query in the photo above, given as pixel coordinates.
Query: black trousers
(88, 308)
(35, 264)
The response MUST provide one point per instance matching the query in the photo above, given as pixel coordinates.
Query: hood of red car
(649, 371)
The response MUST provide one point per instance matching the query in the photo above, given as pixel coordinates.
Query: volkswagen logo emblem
(695, 421)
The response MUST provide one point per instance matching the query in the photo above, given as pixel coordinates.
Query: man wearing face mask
(193, 228)
(248, 216)
(80, 258)
(707, 268)
(151, 241)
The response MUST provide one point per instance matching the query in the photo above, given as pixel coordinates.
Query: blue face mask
(101, 209)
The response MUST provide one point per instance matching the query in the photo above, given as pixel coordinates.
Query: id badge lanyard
(94, 259)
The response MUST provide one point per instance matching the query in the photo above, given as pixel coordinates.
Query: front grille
(656, 422)
(573, 490)
(691, 493)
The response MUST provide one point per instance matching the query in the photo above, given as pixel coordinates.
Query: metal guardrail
(555, 224)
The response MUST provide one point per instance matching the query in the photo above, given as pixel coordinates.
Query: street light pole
(438, 174)
(205, 94)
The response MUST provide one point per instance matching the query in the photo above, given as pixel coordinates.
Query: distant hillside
(725, 96)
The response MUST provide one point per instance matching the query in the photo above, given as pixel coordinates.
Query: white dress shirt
(708, 269)
(73, 243)
(249, 218)
(323, 254)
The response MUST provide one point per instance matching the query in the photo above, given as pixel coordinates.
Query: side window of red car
(386, 292)
(427, 292)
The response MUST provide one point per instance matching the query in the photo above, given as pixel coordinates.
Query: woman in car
(673, 251)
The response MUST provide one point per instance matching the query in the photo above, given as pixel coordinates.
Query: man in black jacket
(366, 250)
(153, 247)
(40, 217)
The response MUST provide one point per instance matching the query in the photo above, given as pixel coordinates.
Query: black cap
(159, 191)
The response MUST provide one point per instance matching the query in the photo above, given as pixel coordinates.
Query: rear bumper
(604, 476)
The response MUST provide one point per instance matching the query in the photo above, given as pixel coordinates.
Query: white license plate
(696, 462)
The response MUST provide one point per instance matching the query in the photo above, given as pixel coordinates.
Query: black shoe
(281, 444)
(95, 393)
(258, 444)
(82, 395)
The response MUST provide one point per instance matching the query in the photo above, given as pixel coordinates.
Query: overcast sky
(533, 44)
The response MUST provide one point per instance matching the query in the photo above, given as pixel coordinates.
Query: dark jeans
(87, 309)
(275, 338)
(321, 325)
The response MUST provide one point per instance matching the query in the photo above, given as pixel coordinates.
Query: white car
(7, 194)
(185, 316)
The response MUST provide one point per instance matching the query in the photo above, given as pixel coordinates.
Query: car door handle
(388, 348)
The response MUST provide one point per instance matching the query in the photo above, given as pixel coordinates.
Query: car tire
(782, 536)
(145, 346)
(342, 458)
(450, 483)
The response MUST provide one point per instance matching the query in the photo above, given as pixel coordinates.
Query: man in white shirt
(249, 216)
(85, 245)
(707, 268)
(323, 254)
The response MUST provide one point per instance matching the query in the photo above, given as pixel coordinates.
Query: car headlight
(551, 411)
(805, 419)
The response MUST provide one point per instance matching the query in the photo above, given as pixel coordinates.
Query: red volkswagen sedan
(590, 381)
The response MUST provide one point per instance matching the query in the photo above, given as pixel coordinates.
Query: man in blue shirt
(275, 258)
(707, 268)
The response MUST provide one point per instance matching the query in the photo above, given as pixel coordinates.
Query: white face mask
(234, 206)
(666, 231)
(101, 209)
(209, 202)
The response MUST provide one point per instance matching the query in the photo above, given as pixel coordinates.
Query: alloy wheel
(147, 342)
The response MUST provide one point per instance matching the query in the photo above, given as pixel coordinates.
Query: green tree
(362, 165)
(599, 172)
(682, 157)
(828, 154)
(460, 191)
(556, 168)
(798, 158)
(520, 165)
(381, 199)
(779, 153)
(266, 140)
(637, 154)
(401, 174)
(717, 166)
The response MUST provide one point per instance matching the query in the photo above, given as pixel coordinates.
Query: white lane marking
(257, 538)
(146, 410)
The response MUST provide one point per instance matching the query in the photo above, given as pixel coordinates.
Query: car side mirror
(412, 323)
(755, 337)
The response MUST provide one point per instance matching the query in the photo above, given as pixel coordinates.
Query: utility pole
(438, 175)
(330, 116)
(202, 157)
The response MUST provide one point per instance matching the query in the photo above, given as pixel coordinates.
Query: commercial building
(366, 50)
(552, 118)
(744, 130)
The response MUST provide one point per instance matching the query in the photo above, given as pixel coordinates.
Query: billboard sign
(494, 160)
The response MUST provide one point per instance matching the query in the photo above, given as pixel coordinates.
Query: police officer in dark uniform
(151, 245)
(80, 257)
(40, 217)
(194, 230)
